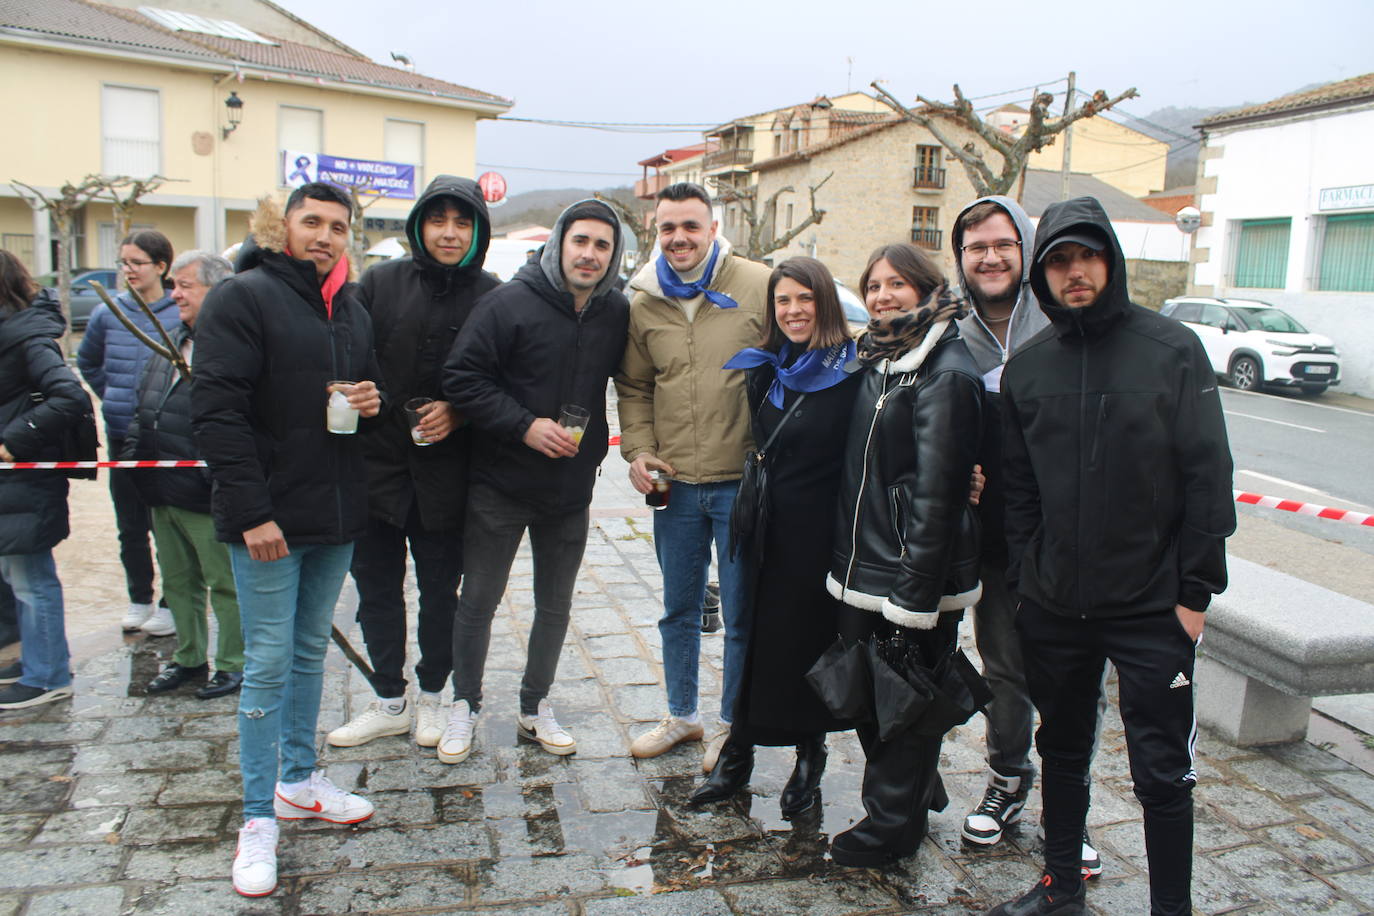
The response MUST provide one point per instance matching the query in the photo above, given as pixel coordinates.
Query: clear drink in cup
(415, 409)
(340, 417)
(574, 419)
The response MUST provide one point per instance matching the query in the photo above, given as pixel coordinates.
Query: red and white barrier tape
(1289, 505)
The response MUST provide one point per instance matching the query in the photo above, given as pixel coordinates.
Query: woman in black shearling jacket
(907, 539)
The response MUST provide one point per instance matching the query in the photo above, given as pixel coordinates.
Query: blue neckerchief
(672, 284)
(814, 370)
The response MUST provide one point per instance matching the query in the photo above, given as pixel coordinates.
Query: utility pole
(1068, 141)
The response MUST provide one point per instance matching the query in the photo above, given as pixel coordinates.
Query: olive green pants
(192, 562)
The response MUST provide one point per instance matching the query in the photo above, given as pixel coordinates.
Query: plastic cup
(657, 498)
(574, 419)
(340, 417)
(415, 409)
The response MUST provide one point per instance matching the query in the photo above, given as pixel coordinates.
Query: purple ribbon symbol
(302, 163)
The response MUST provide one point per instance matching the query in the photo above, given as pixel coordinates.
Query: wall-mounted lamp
(235, 106)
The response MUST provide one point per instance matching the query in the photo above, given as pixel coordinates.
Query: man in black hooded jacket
(550, 338)
(1118, 491)
(417, 493)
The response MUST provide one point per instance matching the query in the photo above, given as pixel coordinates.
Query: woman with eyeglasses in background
(111, 360)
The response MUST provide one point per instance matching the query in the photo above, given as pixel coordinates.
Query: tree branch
(168, 352)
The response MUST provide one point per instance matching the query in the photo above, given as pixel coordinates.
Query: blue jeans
(286, 607)
(696, 515)
(42, 625)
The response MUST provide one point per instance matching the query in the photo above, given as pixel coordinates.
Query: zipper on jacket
(1082, 471)
(338, 489)
(1097, 433)
(863, 480)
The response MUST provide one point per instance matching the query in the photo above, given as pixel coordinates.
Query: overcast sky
(710, 62)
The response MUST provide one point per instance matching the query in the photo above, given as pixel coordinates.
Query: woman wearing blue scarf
(804, 353)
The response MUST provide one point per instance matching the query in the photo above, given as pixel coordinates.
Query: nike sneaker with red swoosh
(322, 800)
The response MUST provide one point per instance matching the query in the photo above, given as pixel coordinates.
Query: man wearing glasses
(992, 240)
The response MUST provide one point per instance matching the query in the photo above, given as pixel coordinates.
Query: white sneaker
(322, 800)
(543, 728)
(255, 862)
(136, 616)
(456, 743)
(373, 722)
(430, 714)
(665, 736)
(160, 623)
(708, 760)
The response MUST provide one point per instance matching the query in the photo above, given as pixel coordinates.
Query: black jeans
(135, 527)
(1154, 657)
(379, 570)
(495, 525)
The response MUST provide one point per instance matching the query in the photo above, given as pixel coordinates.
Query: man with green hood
(417, 492)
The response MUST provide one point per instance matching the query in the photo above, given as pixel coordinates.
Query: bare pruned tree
(1040, 131)
(124, 194)
(62, 208)
(761, 218)
(642, 224)
(357, 250)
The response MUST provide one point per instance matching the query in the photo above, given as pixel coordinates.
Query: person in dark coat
(289, 495)
(190, 558)
(1119, 503)
(417, 490)
(905, 561)
(549, 339)
(39, 399)
(111, 360)
(803, 354)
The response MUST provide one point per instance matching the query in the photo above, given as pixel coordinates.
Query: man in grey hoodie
(992, 239)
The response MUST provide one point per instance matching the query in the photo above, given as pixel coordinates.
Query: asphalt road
(1306, 450)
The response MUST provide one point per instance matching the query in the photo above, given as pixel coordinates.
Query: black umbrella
(895, 682)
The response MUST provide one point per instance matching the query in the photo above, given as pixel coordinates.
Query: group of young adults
(1099, 535)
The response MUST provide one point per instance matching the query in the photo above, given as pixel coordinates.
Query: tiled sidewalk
(119, 803)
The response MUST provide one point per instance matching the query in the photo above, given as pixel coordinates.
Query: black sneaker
(1043, 899)
(22, 696)
(1000, 808)
(11, 673)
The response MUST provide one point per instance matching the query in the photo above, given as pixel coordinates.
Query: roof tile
(1354, 89)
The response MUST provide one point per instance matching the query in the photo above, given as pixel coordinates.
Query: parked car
(1253, 345)
(84, 297)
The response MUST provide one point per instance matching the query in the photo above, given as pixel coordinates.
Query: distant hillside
(542, 207)
(1175, 127)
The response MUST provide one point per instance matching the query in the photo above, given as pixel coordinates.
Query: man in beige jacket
(692, 307)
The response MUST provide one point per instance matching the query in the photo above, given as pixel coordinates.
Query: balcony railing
(724, 158)
(927, 238)
(646, 188)
(929, 177)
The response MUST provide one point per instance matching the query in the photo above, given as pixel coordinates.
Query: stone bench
(1272, 643)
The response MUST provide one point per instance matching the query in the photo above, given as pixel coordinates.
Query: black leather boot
(804, 787)
(730, 774)
(901, 786)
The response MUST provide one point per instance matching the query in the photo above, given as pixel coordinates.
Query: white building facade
(1286, 190)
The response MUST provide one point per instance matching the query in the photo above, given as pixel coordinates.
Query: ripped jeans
(286, 607)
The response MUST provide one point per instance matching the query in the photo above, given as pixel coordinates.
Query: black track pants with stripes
(1153, 655)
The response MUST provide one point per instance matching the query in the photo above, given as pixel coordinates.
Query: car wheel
(1245, 374)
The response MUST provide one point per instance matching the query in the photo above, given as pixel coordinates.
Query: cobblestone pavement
(116, 802)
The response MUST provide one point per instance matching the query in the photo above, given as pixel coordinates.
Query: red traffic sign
(493, 187)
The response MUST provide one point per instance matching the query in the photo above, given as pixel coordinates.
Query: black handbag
(749, 515)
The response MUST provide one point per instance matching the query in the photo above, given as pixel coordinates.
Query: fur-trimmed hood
(267, 233)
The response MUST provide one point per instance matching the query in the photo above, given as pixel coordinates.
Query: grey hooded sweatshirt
(1026, 318)
(1026, 321)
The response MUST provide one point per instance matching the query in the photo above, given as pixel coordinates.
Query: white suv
(1252, 344)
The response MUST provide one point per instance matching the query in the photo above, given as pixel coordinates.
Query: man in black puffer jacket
(550, 338)
(417, 493)
(1118, 489)
(190, 558)
(289, 494)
